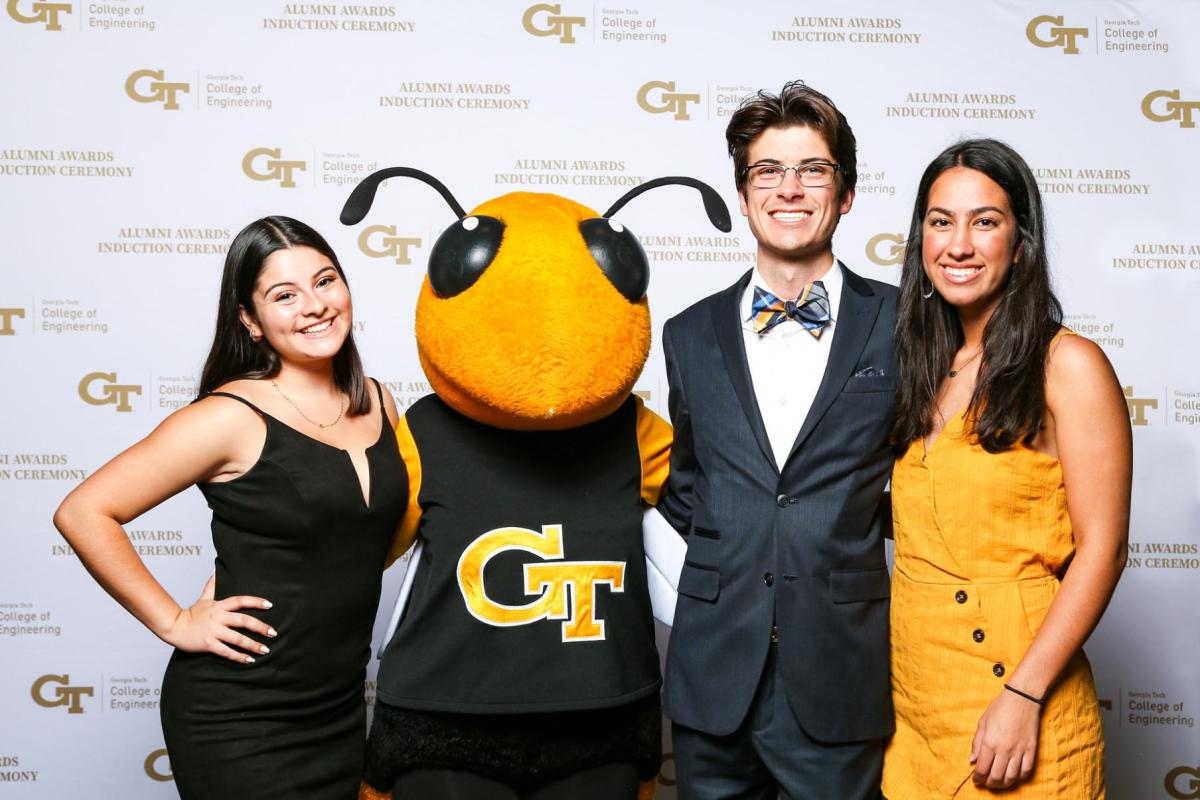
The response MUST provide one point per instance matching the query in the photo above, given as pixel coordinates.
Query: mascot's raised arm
(523, 660)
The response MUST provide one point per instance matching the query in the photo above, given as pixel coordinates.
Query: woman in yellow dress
(1010, 500)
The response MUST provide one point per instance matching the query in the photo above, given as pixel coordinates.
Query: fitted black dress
(296, 530)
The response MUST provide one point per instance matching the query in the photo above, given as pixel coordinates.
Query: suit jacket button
(977, 635)
(783, 500)
(768, 579)
(998, 670)
(960, 596)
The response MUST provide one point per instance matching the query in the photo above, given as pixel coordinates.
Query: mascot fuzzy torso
(526, 649)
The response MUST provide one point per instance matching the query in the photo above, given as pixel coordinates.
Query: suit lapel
(725, 314)
(856, 317)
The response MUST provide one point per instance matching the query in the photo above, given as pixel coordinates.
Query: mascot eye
(462, 253)
(620, 256)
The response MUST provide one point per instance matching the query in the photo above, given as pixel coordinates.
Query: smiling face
(969, 240)
(301, 306)
(793, 224)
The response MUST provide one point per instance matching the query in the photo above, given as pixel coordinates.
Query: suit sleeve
(407, 530)
(676, 502)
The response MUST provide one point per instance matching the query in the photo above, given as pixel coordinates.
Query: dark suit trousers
(771, 756)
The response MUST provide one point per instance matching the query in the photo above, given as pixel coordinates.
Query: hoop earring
(929, 294)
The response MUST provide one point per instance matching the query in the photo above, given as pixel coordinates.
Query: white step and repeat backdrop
(137, 136)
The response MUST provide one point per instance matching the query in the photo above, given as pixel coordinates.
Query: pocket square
(869, 372)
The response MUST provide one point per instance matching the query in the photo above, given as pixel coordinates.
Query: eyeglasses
(813, 174)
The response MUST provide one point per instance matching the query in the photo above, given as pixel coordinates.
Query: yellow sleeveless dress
(980, 538)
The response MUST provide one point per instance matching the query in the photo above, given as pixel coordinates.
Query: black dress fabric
(296, 530)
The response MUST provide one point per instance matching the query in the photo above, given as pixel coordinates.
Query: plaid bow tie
(811, 310)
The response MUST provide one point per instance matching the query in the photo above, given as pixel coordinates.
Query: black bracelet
(1040, 701)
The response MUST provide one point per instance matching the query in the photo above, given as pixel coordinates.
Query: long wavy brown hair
(1009, 400)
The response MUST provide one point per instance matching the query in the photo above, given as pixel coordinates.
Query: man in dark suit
(781, 394)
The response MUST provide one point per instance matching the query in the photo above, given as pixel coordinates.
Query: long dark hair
(1009, 399)
(234, 355)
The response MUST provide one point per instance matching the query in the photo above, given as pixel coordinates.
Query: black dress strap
(240, 399)
(384, 424)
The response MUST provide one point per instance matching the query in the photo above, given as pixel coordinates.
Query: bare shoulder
(389, 404)
(222, 419)
(1079, 374)
(1074, 361)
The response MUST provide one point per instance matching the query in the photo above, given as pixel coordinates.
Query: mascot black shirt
(531, 595)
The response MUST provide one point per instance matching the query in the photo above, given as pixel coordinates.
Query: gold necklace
(341, 410)
(953, 370)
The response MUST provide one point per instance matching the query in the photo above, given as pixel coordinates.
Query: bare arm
(1094, 445)
(389, 407)
(201, 442)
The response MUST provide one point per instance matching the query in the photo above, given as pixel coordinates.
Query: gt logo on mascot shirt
(549, 580)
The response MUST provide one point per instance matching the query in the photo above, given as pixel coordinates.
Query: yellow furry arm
(407, 529)
(654, 445)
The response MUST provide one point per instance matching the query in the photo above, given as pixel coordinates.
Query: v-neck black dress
(296, 530)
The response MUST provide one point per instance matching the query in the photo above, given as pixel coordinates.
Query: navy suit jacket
(800, 548)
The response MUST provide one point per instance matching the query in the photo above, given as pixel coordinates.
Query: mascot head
(533, 313)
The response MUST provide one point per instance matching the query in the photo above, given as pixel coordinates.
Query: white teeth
(318, 328)
(961, 273)
(790, 216)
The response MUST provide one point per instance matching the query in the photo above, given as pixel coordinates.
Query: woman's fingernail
(262, 648)
(267, 604)
(271, 632)
(249, 660)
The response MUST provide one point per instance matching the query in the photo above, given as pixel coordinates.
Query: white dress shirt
(787, 364)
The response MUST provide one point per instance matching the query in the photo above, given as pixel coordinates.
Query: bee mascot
(523, 660)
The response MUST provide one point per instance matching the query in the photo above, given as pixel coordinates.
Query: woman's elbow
(1120, 556)
(66, 516)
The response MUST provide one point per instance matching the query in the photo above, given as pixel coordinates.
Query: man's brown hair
(798, 104)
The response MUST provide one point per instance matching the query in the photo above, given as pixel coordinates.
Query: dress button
(977, 635)
(998, 670)
(783, 500)
(769, 578)
(960, 596)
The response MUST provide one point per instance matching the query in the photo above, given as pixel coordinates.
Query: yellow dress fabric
(980, 538)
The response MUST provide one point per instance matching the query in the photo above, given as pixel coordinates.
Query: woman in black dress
(293, 449)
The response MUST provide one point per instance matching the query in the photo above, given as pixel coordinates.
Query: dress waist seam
(1049, 576)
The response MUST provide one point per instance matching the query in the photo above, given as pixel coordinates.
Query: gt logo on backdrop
(63, 693)
(153, 769)
(1183, 783)
(276, 168)
(6, 317)
(665, 99)
(151, 86)
(1176, 109)
(1137, 406)
(555, 23)
(389, 246)
(887, 256)
(1048, 31)
(109, 391)
(565, 590)
(46, 13)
